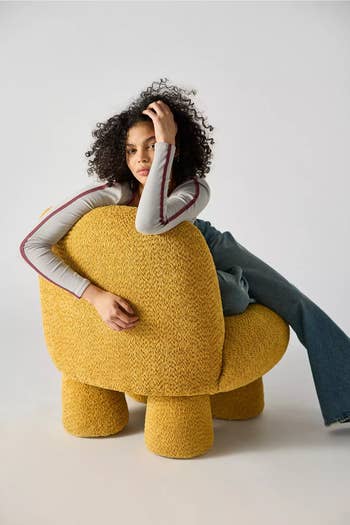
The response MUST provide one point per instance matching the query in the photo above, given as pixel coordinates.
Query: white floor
(284, 467)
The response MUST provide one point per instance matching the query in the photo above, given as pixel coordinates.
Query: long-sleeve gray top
(156, 213)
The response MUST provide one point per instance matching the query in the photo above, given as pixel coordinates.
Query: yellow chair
(184, 358)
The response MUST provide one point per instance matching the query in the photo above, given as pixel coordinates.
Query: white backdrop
(273, 80)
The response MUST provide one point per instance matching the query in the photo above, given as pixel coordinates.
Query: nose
(142, 155)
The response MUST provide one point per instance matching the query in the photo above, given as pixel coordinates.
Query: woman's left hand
(165, 127)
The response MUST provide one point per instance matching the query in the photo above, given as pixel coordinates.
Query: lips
(143, 172)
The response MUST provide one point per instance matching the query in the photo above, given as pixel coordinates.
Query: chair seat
(255, 341)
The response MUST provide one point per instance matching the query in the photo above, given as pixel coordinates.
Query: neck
(139, 190)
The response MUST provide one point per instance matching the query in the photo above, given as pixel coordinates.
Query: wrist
(91, 292)
(168, 140)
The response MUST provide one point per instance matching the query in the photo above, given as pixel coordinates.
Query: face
(140, 141)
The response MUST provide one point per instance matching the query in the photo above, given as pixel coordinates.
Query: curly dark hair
(191, 140)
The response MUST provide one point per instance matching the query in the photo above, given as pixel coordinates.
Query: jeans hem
(344, 419)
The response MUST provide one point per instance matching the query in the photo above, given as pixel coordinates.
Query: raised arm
(158, 213)
(36, 246)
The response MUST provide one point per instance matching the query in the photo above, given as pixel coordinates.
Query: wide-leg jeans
(245, 279)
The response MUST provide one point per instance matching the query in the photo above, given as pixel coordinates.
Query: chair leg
(242, 403)
(90, 411)
(179, 427)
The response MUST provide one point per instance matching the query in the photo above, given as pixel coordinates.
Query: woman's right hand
(114, 310)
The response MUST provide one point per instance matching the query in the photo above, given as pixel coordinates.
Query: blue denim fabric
(244, 278)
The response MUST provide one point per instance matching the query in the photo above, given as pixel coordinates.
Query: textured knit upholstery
(184, 358)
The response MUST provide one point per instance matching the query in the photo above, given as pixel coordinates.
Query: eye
(129, 151)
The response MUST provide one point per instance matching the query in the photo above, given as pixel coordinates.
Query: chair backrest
(170, 281)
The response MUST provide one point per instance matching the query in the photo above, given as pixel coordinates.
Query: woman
(154, 156)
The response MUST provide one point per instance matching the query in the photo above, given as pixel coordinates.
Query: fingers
(116, 312)
(159, 107)
(119, 328)
(124, 318)
(119, 325)
(163, 120)
(122, 315)
(125, 305)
